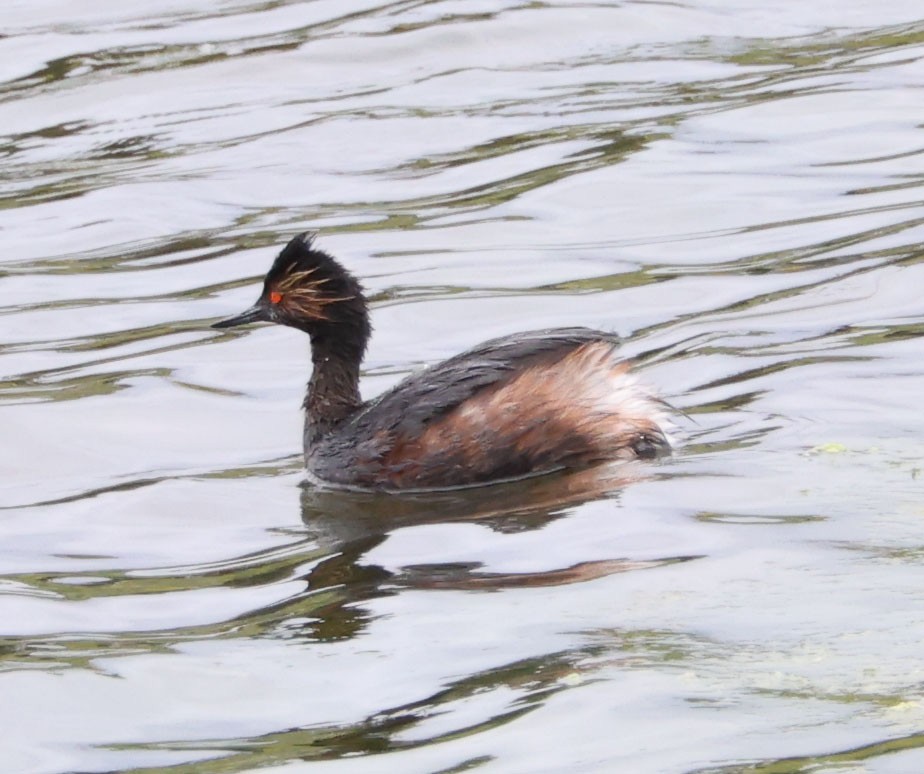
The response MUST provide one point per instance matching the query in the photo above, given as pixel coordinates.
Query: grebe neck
(333, 391)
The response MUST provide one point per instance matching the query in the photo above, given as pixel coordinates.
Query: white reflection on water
(734, 187)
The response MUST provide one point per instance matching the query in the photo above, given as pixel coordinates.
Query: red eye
(275, 297)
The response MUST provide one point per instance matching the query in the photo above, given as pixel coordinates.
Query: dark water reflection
(352, 523)
(735, 188)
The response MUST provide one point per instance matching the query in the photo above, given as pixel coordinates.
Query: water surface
(733, 187)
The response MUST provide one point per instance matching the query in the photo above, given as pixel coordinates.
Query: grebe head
(307, 289)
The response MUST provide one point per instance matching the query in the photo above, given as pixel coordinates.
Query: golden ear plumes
(304, 297)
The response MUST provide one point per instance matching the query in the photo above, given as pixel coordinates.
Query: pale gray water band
(734, 187)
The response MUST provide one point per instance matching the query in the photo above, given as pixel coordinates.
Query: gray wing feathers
(407, 408)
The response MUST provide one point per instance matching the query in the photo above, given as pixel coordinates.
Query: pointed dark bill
(256, 313)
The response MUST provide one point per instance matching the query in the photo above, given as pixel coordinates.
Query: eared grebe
(515, 406)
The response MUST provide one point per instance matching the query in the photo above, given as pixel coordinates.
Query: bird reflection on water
(348, 525)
